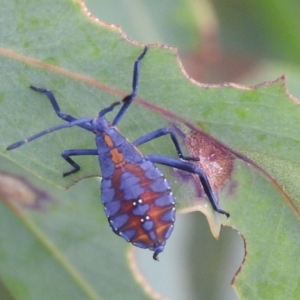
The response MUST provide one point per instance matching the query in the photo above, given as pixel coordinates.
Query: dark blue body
(137, 199)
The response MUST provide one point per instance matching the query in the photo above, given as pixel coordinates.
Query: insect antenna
(104, 111)
(51, 129)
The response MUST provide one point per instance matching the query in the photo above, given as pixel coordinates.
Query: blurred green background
(245, 42)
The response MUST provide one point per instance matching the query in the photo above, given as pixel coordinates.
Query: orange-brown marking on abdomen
(117, 157)
(108, 141)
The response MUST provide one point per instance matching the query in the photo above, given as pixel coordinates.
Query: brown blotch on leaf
(215, 159)
(16, 190)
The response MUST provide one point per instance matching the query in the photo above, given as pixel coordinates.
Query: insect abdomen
(139, 205)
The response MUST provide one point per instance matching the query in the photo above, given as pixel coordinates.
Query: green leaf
(88, 66)
(60, 243)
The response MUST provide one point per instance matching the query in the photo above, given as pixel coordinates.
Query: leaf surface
(88, 66)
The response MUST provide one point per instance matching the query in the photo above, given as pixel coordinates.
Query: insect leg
(76, 152)
(160, 132)
(56, 107)
(127, 100)
(191, 168)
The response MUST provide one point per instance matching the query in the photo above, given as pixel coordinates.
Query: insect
(137, 199)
